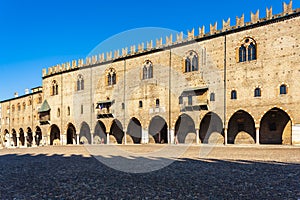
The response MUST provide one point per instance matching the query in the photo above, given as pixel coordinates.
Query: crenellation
(150, 45)
(255, 17)
(44, 72)
(269, 13)
(179, 37)
(116, 54)
(191, 34)
(68, 64)
(169, 40)
(202, 31)
(109, 55)
(74, 64)
(141, 47)
(159, 42)
(101, 57)
(94, 60)
(125, 51)
(213, 28)
(240, 22)
(132, 49)
(226, 25)
(287, 8)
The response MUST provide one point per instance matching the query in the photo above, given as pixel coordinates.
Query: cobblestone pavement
(231, 172)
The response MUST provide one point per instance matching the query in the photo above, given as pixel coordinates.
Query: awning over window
(196, 91)
(45, 107)
(104, 104)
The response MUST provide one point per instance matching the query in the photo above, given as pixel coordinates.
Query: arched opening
(116, 130)
(275, 127)
(85, 134)
(29, 137)
(211, 129)
(14, 137)
(135, 130)
(54, 135)
(185, 131)
(38, 135)
(100, 133)
(22, 137)
(71, 134)
(241, 128)
(158, 129)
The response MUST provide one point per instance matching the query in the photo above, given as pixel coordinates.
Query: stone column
(34, 144)
(145, 136)
(107, 136)
(257, 135)
(18, 139)
(77, 139)
(25, 139)
(171, 136)
(197, 136)
(92, 138)
(125, 137)
(225, 136)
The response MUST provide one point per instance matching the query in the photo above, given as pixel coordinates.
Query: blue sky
(38, 34)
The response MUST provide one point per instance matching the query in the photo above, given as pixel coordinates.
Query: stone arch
(29, 137)
(14, 136)
(38, 135)
(116, 131)
(275, 127)
(54, 135)
(71, 134)
(100, 133)
(158, 130)
(211, 129)
(185, 131)
(134, 129)
(85, 134)
(241, 128)
(22, 136)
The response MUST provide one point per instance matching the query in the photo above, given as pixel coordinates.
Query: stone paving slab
(232, 172)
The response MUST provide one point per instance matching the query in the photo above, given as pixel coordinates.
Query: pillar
(77, 139)
(92, 138)
(107, 136)
(197, 136)
(257, 135)
(225, 136)
(25, 139)
(145, 136)
(125, 137)
(171, 136)
(34, 143)
(18, 140)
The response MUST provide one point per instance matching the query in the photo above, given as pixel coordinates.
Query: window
(157, 103)
(247, 50)
(123, 106)
(24, 106)
(283, 89)
(147, 70)
(233, 94)
(19, 107)
(68, 111)
(40, 99)
(191, 62)
(140, 104)
(54, 88)
(13, 108)
(257, 92)
(81, 109)
(180, 100)
(80, 83)
(58, 112)
(190, 100)
(212, 96)
(111, 77)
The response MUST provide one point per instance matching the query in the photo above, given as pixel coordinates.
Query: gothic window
(257, 92)
(54, 88)
(190, 100)
(283, 89)
(147, 70)
(191, 62)
(80, 83)
(111, 77)
(233, 94)
(212, 96)
(247, 50)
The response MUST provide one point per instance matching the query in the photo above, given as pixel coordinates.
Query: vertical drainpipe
(124, 101)
(225, 85)
(61, 116)
(170, 82)
(92, 106)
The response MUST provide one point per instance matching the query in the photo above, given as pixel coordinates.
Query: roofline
(26, 95)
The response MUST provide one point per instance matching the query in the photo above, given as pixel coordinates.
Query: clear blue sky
(37, 34)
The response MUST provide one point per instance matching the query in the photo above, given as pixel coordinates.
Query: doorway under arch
(100, 133)
(158, 129)
(71, 134)
(54, 134)
(185, 131)
(135, 130)
(85, 134)
(116, 130)
(211, 129)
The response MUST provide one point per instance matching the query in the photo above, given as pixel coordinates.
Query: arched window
(54, 89)
(191, 62)
(13, 108)
(212, 96)
(257, 92)
(242, 54)
(80, 83)
(283, 89)
(248, 50)
(251, 52)
(19, 107)
(111, 77)
(24, 106)
(233, 94)
(147, 70)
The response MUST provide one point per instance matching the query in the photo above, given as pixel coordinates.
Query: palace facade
(234, 85)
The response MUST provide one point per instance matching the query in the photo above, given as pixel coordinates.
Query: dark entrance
(135, 130)
(100, 133)
(54, 133)
(185, 127)
(85, 134)
(159, 129)
(117, 131)
(211, 129)
(71, 134)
